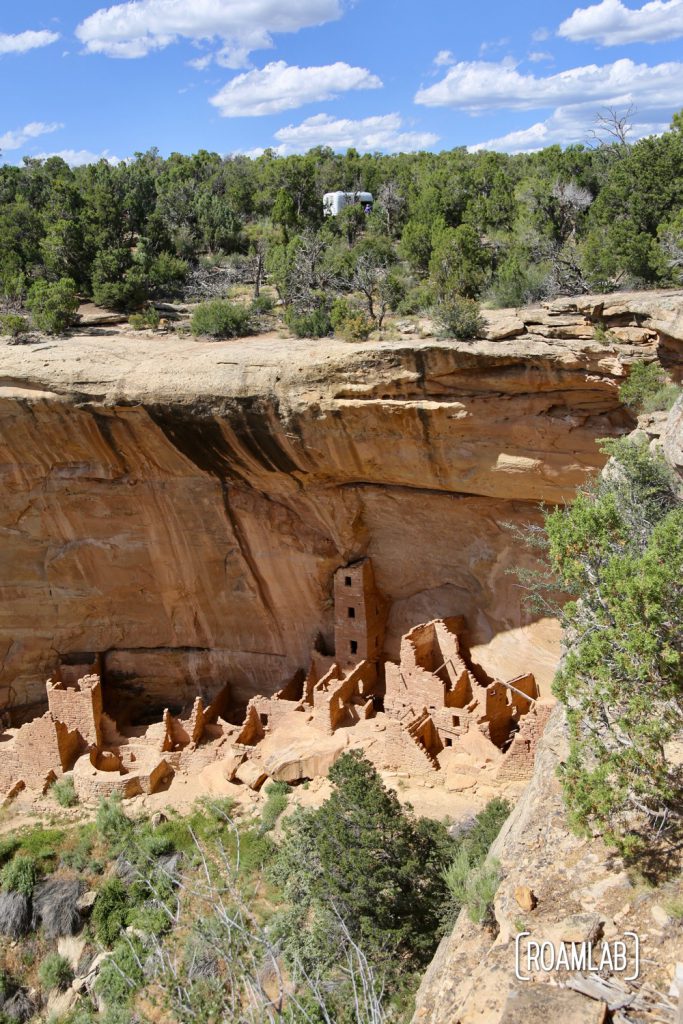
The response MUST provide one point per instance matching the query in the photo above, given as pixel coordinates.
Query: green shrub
(262, 304)
(78, 854)
(13, 325)
(112, 822)
(418, 299)
(313, 324)
(20, 875)
(278, 796)
(349, 321)
(8, 847)
(118, 281)
(458, 317)
(647, 389)
(149, 319)
(64, 792)
(166, 275)
(480, 890)
(221, 319)
(43, 844)
(602, 334)
(121, 975)
(55, 972)
(110, 913)
(340, 311)
(471, 882)
(152, 920)
(53, 305)
(358, 327)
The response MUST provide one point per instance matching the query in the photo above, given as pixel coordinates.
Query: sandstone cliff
(180, 507)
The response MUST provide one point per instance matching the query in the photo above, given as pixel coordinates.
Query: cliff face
(181, 506)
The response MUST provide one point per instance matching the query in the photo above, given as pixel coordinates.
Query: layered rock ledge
(180, 507)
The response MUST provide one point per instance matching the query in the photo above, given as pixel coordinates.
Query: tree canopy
(507, 229)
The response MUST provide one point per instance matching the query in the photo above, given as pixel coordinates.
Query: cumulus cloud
(80, 157)
(18, 138)
(477, 86)
(136, 28)
(564, 126)
(382, 133)
(613, 24)
(444, 58)
(280, 86)
(540, 56)
(22, 42)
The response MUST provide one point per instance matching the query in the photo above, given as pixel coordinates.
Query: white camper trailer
(335, 202)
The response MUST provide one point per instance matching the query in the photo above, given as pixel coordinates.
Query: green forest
(446, 227)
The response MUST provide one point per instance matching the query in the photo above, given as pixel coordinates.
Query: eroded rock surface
(180, 507)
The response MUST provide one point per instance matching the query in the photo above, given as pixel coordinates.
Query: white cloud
(279, 86)
(539, 56)
(136, 28)
(494, 44)
(22, 42)
(201, 63)
(17, 139)
(477, 86)
(540, 35)
(79, 157)
(444, 58)
(566, 125)
(383, 133)
(613, 24)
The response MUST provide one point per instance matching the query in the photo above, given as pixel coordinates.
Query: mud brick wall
(78, 707)
(398, 751)
(332, 695)
(518, 762)
(359, 615)
(38, 752)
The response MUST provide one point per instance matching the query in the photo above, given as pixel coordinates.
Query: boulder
(525, 898)
(90, 315)
(501, 324)
(252, 774)
(457, 783)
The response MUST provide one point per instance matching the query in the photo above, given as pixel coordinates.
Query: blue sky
(82, 80)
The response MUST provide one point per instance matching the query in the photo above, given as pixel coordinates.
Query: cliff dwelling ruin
(433, 708)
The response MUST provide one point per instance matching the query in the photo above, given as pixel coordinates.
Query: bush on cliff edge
(618, 550)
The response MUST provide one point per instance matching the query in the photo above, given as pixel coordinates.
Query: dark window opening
(264, 719)
(456, 721)
(352, 613)
(449, 742)
(354, 647)
(347, 581)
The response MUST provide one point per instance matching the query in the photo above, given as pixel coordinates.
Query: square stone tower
(359, 615)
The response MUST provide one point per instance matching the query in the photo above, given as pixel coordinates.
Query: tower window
(354, 647)
(347, 581)
(352, 613)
